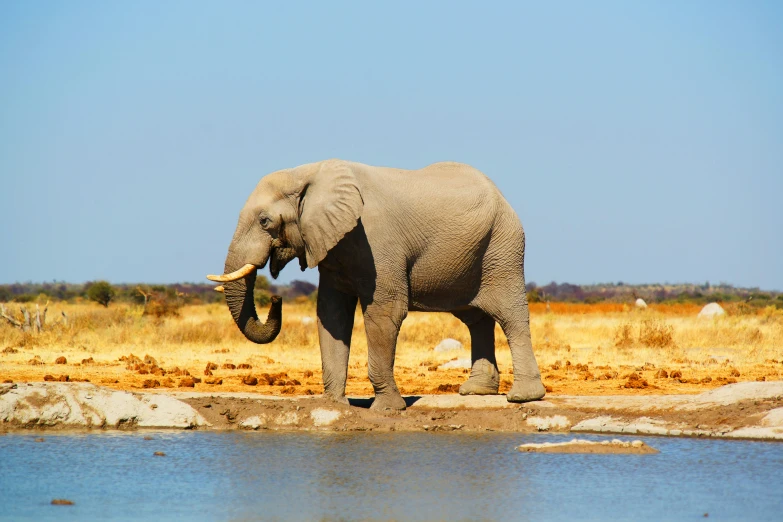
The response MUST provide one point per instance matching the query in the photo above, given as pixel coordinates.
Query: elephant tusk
(233, 276)
(219, 289)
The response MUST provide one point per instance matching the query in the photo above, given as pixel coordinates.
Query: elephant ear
(329, 208)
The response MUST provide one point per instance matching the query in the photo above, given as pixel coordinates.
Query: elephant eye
(265, 221)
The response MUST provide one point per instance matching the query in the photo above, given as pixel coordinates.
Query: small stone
(214, 381)
(448, 345)
(244, 366)
(62, 502)
(250, 380)
(187, 382)
(229, 366)
(150, 383)
(60, 360)
(159, 454)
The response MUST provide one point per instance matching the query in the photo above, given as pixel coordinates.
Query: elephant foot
(339, 399)
(484, 379)
(526, 389)
(388, 401)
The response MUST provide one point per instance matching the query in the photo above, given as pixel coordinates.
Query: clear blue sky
(638, 141)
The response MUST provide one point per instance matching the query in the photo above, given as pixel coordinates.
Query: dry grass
(581, 349)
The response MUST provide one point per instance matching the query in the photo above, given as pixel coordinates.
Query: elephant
(438, 239)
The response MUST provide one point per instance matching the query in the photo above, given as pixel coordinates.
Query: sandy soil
(276, 378)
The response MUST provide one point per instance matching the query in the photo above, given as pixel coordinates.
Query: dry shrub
(101, 318)
(739, 309)
(656, 334)
(623, 336)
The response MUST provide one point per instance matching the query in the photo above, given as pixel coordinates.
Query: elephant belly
(438, 286)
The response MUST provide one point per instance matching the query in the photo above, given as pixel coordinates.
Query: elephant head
(297, 213)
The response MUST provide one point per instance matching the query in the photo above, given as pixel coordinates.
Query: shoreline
(749, 411)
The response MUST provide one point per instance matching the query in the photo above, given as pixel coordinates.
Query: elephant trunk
(240, 300)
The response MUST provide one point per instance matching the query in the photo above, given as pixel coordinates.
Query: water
(418, 476)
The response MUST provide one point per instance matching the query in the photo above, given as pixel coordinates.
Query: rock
(88, 361)
(62, 502)
(214, 381)
(244, 366)
(547, 423)
(10, 350)
(588, 446)
(35, 361)
(211, 366)
(324, 417)
(250, 380)
(254, 422)
(229, 366)
(187, 382)
(640, 304)
(711, 310)
(150, 383)
(148, 359)
(83, 405)
(448, 345)
(457, 363)
(662, 374)
(307, 374)
(61, 360)
(158, 454)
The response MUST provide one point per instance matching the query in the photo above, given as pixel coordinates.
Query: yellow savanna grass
(604, 343)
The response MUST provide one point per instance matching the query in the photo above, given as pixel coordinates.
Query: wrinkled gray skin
(439, 239)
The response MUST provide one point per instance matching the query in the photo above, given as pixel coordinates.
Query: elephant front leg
(335, 325)
(382, 325)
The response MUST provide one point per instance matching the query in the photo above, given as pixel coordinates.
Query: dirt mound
(635, 381)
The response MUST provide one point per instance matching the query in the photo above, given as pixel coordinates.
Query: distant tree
(302, 288)
(101, 292)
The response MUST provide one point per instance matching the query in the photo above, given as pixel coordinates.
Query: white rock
(547, 423)
(448, 345)
(711, 310)
(457, 363)
(324, 417)
(254, 422)
(640, 303)
(86, 405)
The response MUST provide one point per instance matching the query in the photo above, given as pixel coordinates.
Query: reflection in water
(421, 476)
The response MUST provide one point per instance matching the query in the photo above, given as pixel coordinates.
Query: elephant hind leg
(484, 376)
(508, 306)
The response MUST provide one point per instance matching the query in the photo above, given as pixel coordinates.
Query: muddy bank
(743, 410)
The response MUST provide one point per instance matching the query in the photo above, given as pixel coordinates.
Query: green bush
(101, 292)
